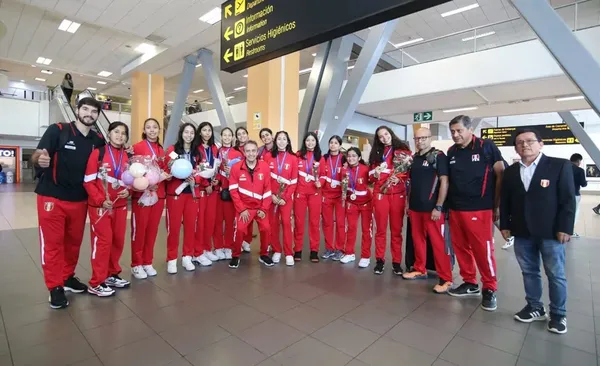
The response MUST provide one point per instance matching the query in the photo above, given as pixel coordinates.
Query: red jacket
(174, 182)
(330, 175)
(264, 153)
(305, 171)
(214, 151)
(288, 175)
(250, 191)
(358, 185)
(153, 149)
(93, 183)
(385, 173)
(230, 154)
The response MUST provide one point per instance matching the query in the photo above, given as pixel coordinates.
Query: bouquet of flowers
(228, 162)
(282, 186)
(345, 183)
(401, 163)
(143, 174)
(315, 171)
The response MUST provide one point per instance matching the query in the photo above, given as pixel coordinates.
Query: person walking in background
(579, 181)
(67, 87)
(333, 212)
(538, 209)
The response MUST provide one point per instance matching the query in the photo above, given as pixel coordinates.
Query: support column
(189, 66)
(273, 93)
(147, 101)
(215, 89)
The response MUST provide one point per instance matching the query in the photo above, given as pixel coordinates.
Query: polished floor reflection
(312, 314)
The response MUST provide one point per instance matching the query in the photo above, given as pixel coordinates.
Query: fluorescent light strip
(479, 36)
(212, 16)
(170, 102)
(90, 88)
(197, 66)
(460, 109)
(566, 99)
(460, 10)
(104, 74)
(101, 82)
(44, 61)
(351, 67)
(240, 88)
(314, 55)
(402, 44)
(198, 91)
(145, 48)
(69, 26)
(47, 72)
(40, 79)
(305, 71)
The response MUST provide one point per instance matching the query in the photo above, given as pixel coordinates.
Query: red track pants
(389, 207)
(223, 235)
(108, 239)
(181, 208)
(365, 211)
(312, 203)
(61, 227)
(242, 227)
(472, 240)
(333, 215)
(206, 222)
(423, 227)
(144, 230)
(281, 216)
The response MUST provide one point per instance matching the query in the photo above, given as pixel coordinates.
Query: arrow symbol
(427, 116)
(227, 55)
(228, 12)
(228, 33)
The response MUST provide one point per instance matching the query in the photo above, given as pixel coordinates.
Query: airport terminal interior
(330, 67)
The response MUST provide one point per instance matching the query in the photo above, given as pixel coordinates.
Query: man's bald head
(423, 139)
(423, 132)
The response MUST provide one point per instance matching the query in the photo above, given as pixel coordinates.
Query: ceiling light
(33, 66)
(90, 88)
(197, 66)
(566, 99)
(170, 102)
(351, 67)
(479, 36)
(22, 81)
(47, 72)
(101, 82)
(212, 16)
(240, 88)
(230, 97)
(69, 26)
(40, 79)
(460, 10)
(460, 109)
(246, 75)
(198, 91)
(305, 71)
(104, 74)
(314, 55)
(145, 48)
(44, 61)
(208, 102)
(401, 44)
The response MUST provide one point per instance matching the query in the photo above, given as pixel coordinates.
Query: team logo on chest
(544, 183)
(48, 206)
(242, 177)
(360, 181)
(287, 166)
(260, 176)
(475, 157)
(425, 163)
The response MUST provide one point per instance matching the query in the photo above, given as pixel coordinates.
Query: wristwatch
(439, 208)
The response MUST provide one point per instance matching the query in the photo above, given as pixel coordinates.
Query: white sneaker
(186, 262)
(150, 271)
(509, 243)
(348, 258)
(203, 260)
(116, 281)
(289, 260)
(276, 257)
(139, 273)
(246, 246)
(172, 266)
(211, 256)
(228, 253)
(364, 262)
(220, 253)
(102, 290)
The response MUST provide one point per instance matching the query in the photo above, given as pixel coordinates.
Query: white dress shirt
(527, 172)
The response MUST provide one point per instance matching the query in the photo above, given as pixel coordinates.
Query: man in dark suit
(580, 182)
(538, 209)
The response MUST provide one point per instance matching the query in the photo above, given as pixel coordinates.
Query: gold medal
(353, 197)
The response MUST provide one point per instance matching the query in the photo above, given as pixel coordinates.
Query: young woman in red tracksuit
(388, 206)
(107, 207)
(358, 203)
(308, 196)
(145, 220)
(241, 136)
(208, 200)
(229, 156)
(284, 173)
(333, 211)
(182, 207)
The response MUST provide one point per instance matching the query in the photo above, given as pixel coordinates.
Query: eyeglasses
(528, 142)
(424, 138)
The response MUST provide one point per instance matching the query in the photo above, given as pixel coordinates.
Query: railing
(21, 93)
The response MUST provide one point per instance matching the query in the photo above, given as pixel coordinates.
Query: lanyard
(309, 164)
(209, 155)
(280, 166)
(355, 179)
(385, 156)
(334, 170)
(151, 149)
(188, 157)
(112, 157)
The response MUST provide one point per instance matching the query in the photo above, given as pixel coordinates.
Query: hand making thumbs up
(44, 159)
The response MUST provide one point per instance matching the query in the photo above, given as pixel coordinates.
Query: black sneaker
(73, 284)
(57, 298)
(397, 269)
(234, 262)
(379, 267)
(529, 314)
(297, 256)
(314, 257)
(266, 260)
(488, 302)
(557, 324)
(464, 290)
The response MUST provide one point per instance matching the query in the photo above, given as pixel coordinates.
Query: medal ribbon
(112, 157)
(280, 166)
(209, 155)
(334, 170)
(151, 149)
(385, 156)
(354, 180)
(309, 164)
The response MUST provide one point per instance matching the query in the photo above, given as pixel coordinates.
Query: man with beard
(61, 158)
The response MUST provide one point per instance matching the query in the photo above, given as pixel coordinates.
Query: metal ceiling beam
(189, 65)
(584, 139)
(215, 88)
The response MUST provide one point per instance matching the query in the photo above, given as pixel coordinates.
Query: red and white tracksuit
(308, 196)
(248, 235)
(284, 173)
(180, 208)
(223, 235)
(423, 227)
(207, 202)
(333, 212)
(251, 192)
(358, 184)
(388, 207)
(107, 229)
(146, 220)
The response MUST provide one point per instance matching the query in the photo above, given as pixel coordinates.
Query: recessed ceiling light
(47, 72)
(101, 82)
(566, 99)
(305, 71)
(170, 102)
(145, 48)
(40, 79)
(44, 61)
(460, 10)
(197, 66)
(198, 91)
(246, 75)
(33, 66)
(105, 74)
(460, 109)
(351, 67)
(230, 97)
(479, 36)
(69, 26)
(240, 88)
(90, 88)
(212, 16)
(402, 44)
(314, 55)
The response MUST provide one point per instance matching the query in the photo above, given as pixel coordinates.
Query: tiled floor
(313, 314)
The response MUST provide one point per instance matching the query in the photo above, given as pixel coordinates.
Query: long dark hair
(288, 148)
(116, 124)
(144, 137)
(357, 151)
(211, 140)
(339, 140)
(178, 147)
(237, 141)
(376, 156)
(316, 151)
(230, 130)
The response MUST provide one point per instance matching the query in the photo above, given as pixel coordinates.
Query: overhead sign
(423, 116)
(255, 31)
(554, 134)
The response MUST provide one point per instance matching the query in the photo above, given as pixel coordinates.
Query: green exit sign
(423, 116)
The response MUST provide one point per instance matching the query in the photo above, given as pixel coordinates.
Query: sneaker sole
(415, 278)
(266, 264)
(58, 306)
(398, 273)
(489, 309)
(234, 267)
(536, 319)
(378, 273)
(118, 286)
(100, 294)
(556, 331)
(474, 294)
(73, 290)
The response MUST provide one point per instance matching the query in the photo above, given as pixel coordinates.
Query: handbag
(225, 195)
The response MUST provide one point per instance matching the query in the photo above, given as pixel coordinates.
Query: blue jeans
(552, 252)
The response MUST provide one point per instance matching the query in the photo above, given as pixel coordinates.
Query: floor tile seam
(485, 345)
(105, 324)
(360, 326)
(229, 334)
(83, 335)
(6, 335)
(137, 341)
(127, 343)
(563, 345)
(302, 331)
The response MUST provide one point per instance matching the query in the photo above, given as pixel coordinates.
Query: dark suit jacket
(547, 208)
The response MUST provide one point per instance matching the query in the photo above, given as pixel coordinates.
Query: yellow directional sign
(227, 56)
(240, 6)
(228, 33)
(239, 51)
(228, 12)
(240, 27)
